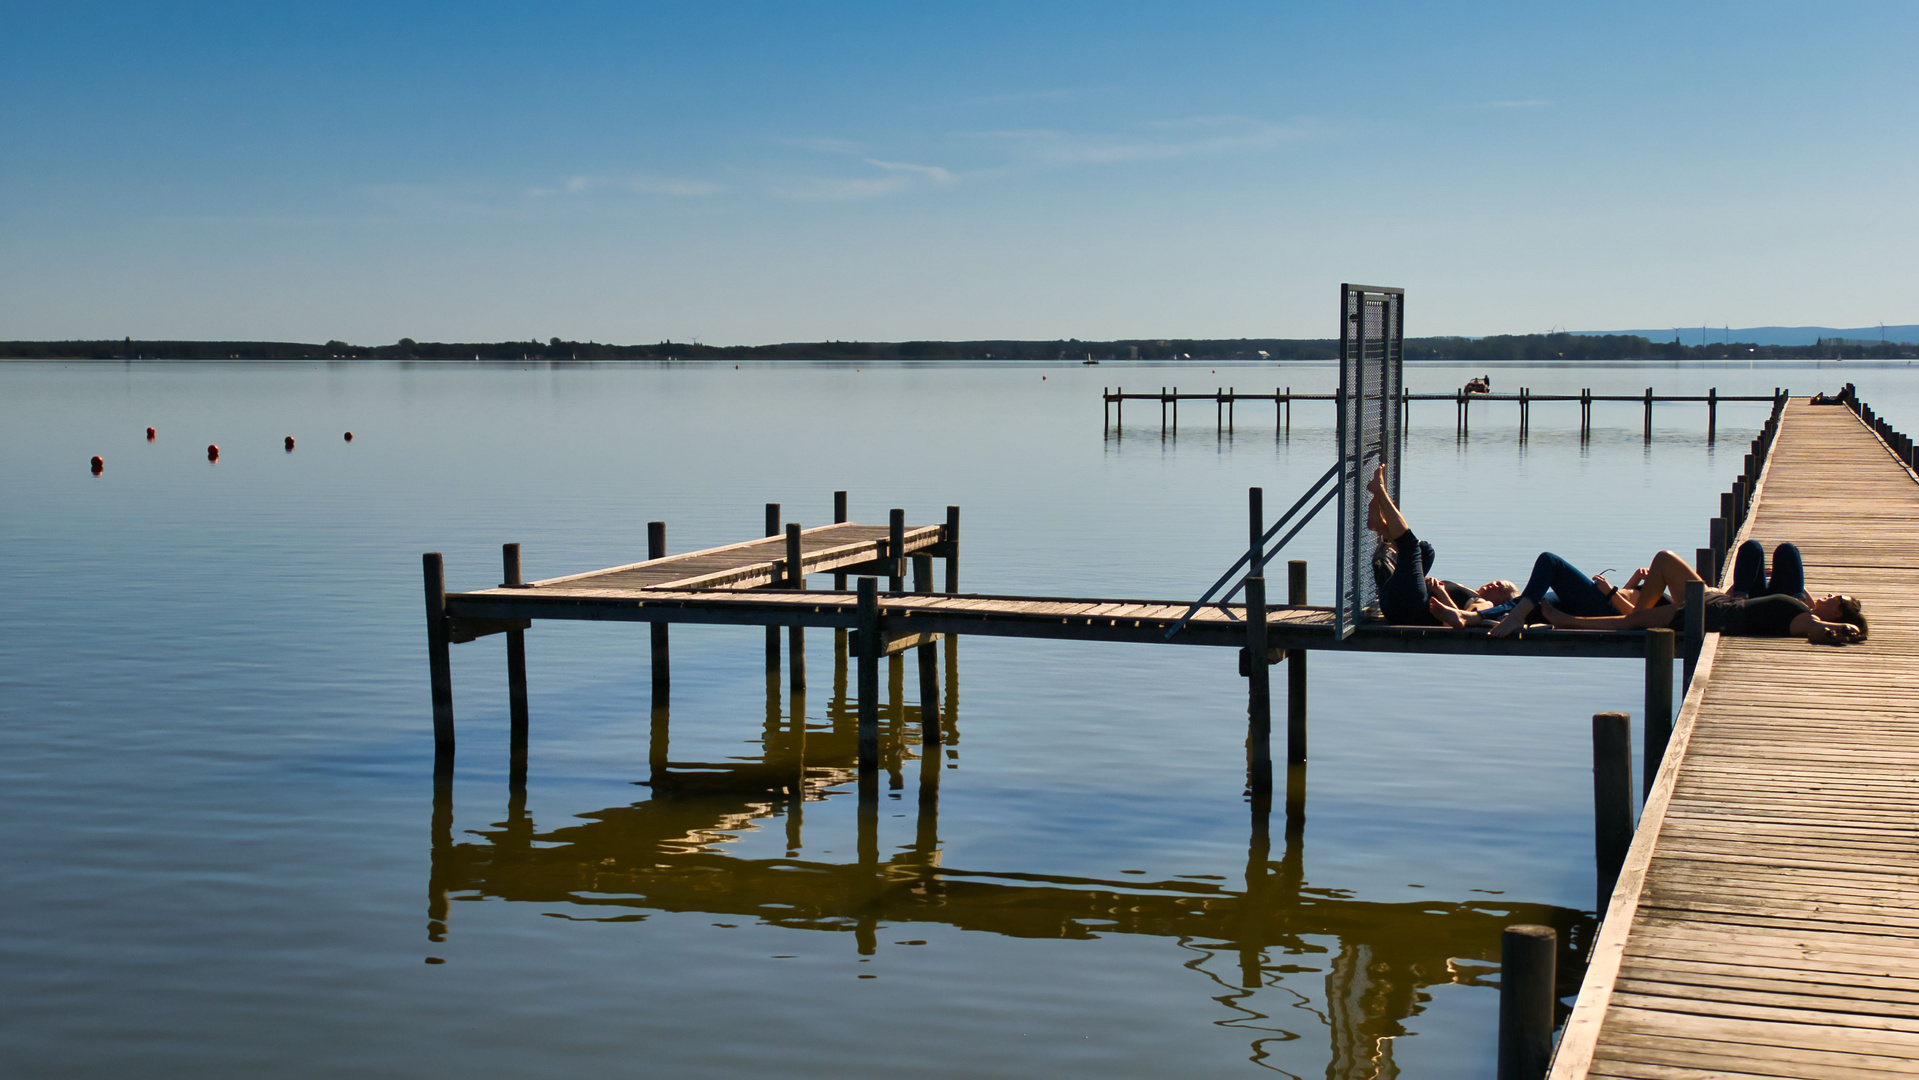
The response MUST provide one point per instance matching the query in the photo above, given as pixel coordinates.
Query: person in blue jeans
(1407, 594)
(1749, 577)
(1568, 587)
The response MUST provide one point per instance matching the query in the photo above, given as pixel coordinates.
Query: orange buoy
(289, 442)
(150, 434)
(99, 465)
(213, 452)
(349, 436)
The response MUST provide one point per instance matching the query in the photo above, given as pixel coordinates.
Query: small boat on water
(1089, 360)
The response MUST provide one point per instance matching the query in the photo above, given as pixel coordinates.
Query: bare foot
(1513, 620)
(1377, 485)
(1446, 613)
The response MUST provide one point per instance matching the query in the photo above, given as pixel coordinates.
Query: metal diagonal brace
(1272, 550)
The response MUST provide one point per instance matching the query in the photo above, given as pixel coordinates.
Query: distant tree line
(1499, 348)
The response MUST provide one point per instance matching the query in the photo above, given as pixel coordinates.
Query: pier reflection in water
(1371, 962)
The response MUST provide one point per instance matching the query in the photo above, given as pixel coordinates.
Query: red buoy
(99, 466)
(213, 452)
(150, 434)
(289, 442)
(349, 436)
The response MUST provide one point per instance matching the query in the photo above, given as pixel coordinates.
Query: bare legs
(1668, 574)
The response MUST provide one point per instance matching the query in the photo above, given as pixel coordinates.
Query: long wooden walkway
(1767, 919)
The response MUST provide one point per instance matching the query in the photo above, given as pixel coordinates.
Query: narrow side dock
(1766, 922)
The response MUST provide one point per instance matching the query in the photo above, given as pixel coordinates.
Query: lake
(227, 856)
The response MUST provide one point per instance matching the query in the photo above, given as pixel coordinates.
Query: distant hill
(1770, 335)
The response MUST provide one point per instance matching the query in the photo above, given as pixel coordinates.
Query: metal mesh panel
(1371, 432)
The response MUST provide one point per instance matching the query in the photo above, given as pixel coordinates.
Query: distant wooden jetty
(1766, 919)
(1226, 398)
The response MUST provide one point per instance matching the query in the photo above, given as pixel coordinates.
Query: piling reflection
(1371, 964)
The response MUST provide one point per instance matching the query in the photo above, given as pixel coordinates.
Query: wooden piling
(1695, 627)
(772, 632)
(1527, 997)
(439, 655)
(839, 580)
(515, 671)
(1717, 532)
(896, 549)
(662, 671)
(951, 537)
(1648, 414)
(1296, 671)
(1259, 685)
(795, 635)
(1612, 798)
(1712, 415)
(1659, 657)
(928, 655)
(1162, 412)
(867, 646)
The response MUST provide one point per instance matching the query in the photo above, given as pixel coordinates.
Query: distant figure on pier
(1764, 607)
(1482, 384)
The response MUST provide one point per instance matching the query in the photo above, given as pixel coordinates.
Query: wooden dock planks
(1767, 922)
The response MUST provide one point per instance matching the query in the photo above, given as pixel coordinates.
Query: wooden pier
(1766, 919)
(1226, 398)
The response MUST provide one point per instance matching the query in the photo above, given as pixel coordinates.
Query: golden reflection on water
(665, 854)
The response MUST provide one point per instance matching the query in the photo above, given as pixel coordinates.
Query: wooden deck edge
(911, 530)
(1884, 445)
(1573, 1057)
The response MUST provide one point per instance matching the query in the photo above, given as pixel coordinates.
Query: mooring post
(662, 671)
(1648, 414)
(952, 549)
(867, 645)
(1119, 410)
(896, 550)
(1219, 410)
(1702, 563)
(1695, 628)
(772, 632)
(1176, 410)
(515, 672)
(439, 656)
(1524, 413)
(839, 580)
(1527, 958)
(1712, 415)
(795, 634)
(1659, 657)
(1717, 532)
(1289, 412)
(928, 654)
(1612, 798)
(1296, 671)
(1105, 412)
(1162, 412)
(1259, 692)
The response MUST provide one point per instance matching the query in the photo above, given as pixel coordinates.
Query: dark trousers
(1402, 599)
(1573, 591)
(1749, 571)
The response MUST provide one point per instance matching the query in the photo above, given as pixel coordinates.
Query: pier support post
(896, 550)
(1296, 671)
(1717, 531)
(439, 655)
(795, 635)
(1712, 416)
(1612, 798)
(1527, 957)
(1162, 412)
(952, 549)
(515, 674)
(1695, 628)
(1259, 684)
(772, 632)
(928, 655)
(1659, 657)
(867, 645)
(1648, 414)
(662, 670)
(839, 580)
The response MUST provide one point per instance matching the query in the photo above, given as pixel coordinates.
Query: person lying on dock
(1407, 595)
(1659, 592)
(1552, 576)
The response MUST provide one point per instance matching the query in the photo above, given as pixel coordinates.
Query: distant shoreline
(1532, 349)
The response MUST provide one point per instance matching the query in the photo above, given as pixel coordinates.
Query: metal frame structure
(1371, 424)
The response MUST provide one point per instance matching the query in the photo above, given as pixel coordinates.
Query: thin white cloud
(895, 177)
(635, 184)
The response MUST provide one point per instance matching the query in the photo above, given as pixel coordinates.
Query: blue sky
(752, 172)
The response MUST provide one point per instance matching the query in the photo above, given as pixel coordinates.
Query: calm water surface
(225, 855)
